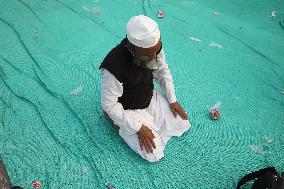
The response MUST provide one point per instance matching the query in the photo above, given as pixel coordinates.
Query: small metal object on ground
(37, 184)
(213, 111)
(214, 114)
(160, 14)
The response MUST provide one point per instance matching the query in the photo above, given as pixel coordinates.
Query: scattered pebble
(37, 184)
(86, 8)
(84, 169)
(267, 139)
(97, 10)
(76, 91)
(213, 44)
(216, 13)
(109, 185)
(256, 148)
(273, 14)
(35, 32)
(195, 39)
(160, 14)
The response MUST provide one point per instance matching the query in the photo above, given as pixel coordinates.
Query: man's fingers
(145, 144)
(149, 144)
(152, 135)
(140, 142)
(174, 112)
(153, 143)
(184, 115)
(176, 108)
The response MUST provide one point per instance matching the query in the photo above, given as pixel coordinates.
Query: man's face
(146, 57)
(147, 54)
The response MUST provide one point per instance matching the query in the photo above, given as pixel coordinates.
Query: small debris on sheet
(273, 14)
(84, 169)
(86, 8)
(213, 44)
(37, 184)
(214, 111)
(216, 13)
(236, 97)
(109, 185)
(282, 92)
(76, 91)
(160, 14)
(256, 148)
(195, 39)
(35, 33)
(267, 139)
(97, 10)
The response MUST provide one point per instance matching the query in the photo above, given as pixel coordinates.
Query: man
(146, 118)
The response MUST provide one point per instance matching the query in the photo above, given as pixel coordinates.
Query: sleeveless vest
(137, 81)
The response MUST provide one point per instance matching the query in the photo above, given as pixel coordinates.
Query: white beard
(152, 64)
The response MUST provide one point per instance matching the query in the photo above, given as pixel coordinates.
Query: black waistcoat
(137, 81)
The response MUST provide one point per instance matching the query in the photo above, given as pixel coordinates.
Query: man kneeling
(146, 117)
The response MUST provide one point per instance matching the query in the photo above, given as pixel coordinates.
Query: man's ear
(130, 48)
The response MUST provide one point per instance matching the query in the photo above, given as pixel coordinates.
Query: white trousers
(164, 125)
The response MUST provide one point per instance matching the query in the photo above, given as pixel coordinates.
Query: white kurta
(158, 116)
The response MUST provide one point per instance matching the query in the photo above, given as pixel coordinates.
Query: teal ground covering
(51, 125)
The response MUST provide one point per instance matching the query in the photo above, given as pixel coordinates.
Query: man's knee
(153, 157)
(158, 152)
(110, 121)
(134, 144)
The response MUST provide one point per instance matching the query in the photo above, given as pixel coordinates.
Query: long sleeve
(164, 77)
(128, 120)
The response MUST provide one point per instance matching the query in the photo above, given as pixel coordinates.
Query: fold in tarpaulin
(52, 128)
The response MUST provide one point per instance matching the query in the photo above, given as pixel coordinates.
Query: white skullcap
(142, 31)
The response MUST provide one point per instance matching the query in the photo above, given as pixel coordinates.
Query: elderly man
(146, 117)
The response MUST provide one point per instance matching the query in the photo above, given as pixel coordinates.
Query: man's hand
(146, 139)
(177, 109)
